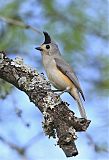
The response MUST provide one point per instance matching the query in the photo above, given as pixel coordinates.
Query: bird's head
(48, 47)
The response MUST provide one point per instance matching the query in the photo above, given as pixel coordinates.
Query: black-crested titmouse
(59, 72)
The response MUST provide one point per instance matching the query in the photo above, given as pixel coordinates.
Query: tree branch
(19, 23)
(59, 120)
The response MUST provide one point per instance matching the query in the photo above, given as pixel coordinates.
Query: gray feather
(81, 108)
(68, 71)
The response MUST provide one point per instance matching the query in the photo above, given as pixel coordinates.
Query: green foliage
(103, 83)
(11, 9)
(5, 89)
(67, 23)
(11, 36)
(11, 41)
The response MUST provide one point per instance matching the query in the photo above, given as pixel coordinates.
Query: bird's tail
(81, 107)
(76, 96)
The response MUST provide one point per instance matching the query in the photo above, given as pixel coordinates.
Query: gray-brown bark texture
(59, 120)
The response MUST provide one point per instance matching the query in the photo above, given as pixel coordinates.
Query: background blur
(80, 28)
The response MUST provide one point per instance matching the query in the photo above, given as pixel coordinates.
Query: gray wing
(68, 71)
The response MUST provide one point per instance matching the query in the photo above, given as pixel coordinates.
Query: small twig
(20, 150)
(33, 140)
(96, 146)
(18, 112)
(19, 23)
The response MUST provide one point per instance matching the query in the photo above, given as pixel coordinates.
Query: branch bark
(59, 120)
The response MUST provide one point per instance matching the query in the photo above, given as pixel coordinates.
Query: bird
(60, 73)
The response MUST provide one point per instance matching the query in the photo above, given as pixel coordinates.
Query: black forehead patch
(47, 38)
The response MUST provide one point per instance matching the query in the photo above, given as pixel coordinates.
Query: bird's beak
(39, 48)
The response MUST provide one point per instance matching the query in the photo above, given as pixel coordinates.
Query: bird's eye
(47, 46)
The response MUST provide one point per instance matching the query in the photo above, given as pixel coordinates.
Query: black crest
(47, 38)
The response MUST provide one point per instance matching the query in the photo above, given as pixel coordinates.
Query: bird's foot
(62, 91)
(58, 90)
